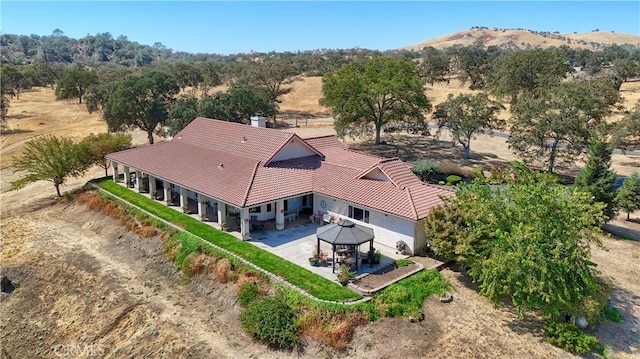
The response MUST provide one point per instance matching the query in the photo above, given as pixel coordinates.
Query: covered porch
(241, 222)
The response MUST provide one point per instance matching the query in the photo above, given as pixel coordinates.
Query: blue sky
(242, 26)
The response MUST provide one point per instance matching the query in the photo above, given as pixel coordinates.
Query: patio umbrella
(345, 232)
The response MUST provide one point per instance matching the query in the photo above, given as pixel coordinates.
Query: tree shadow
(13, 131)
(19, 116)
(622, 337)
(411, 148)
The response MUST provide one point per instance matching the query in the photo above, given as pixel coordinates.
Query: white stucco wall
(378, 175)
(387, 228)
(293, 149)
(264, 215)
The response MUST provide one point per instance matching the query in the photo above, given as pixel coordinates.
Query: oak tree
(100, 145)
(467, 115)
(141, 102)
(556, 124)
(74, 83)
(381, 91)
(527, 71)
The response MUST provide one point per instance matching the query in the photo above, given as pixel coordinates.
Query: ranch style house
(240, 176)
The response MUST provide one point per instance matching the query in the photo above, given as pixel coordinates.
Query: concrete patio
(297, 242)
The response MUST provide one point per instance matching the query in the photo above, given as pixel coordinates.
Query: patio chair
(254, 223)
(324, 258)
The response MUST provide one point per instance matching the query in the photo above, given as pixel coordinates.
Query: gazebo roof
(344, 232)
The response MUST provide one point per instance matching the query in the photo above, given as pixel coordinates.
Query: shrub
(425, 168)
(223, 269)
(403, 262)
(271, 321)
(331, 326)
(612, 314)
(147, 231)
(453, 180)
(406, 297)
(569, 337)
(345, 273)
(247, 294)
(198, 263)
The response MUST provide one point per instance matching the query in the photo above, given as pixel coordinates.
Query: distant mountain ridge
(527, 39)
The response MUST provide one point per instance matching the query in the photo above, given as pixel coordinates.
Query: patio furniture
(347, 234)
(324, 258)
(254, 223)
(290, 216)
(316, 218)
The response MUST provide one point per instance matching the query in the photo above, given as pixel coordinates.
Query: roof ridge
(318, 137)
(253, 178)
(142, 146)
(411, 202)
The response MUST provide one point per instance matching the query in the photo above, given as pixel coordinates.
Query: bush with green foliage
(628, 195)
(406, 297)
(248, 294)
(403, 262)
(569, 337)
(453, 180)
(50, 158)
(424, 168)
(597, 178)
(612, 314)
(529, 242)
(273, 322)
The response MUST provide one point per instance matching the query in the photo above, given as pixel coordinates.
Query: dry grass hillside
(527, 39)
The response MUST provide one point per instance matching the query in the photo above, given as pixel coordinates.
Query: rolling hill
(527, 39)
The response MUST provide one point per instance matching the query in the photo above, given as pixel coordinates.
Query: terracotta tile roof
(229, 162)
(221, 175)
(246, 141)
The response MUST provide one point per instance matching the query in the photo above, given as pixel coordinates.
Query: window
(268, 207)
(359, 214)
(286, 205)
(257, 209)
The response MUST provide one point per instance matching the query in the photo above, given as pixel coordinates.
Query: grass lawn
(312, 283)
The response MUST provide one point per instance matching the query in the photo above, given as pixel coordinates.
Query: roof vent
(220, 166)
(244, 139)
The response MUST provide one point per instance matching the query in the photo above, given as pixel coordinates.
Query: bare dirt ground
(86, 287)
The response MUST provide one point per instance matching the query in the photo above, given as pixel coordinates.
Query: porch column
(183, 197)
(280, 215)
(244, 224)
(138, 183)
(202, 207)
(167, 191)
(222, 213)
(127, 176)
(152, 187)
(114, 168)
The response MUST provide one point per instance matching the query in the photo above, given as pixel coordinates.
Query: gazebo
(347, 233)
